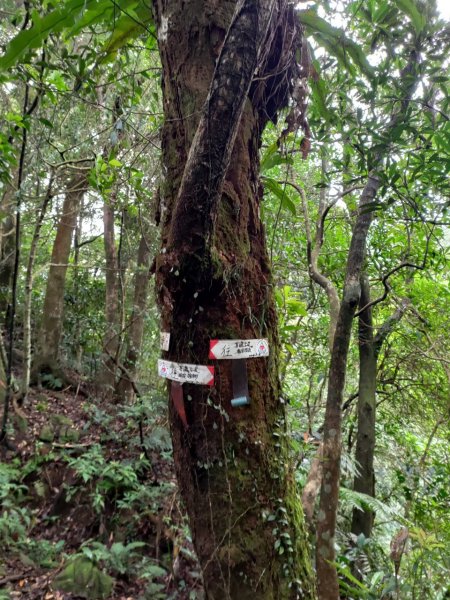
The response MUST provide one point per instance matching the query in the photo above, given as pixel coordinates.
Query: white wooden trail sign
(164, 340)
(185, 373)
(232, 349)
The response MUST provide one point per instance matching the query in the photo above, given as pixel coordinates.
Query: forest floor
(84, 513)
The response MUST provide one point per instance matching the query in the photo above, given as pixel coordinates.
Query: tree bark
(27, 353)
(369, 349)
(313, 249)
(111, 339)
(135, 328)
(312, 486)
(47, 358)
(7, 247)
(213, 281)
(364, 482)
(327, 580)
(76, 261)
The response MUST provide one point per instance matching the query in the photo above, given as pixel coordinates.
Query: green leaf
(296, 307)
(82, 578)
(100, 10)
(46, 122)
(344, 570)
(29, 39)
(319, 94)
(154, 571)
(272, 158)
(75, 15)
(336, 42)
(115, 163)
(280, 193)
(362, 501)
(131, 24)
(409, 8)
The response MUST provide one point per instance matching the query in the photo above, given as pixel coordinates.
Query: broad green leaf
(409, 7)
(336, 41)
(319, 89)
(91, 16)
(29, 39)
(280, 193)
(272, 158)
(130, 25)
(319, 94)
(115, 163)
(75, 15)
(82, 578)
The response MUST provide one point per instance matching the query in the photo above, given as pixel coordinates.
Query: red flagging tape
(176, 390)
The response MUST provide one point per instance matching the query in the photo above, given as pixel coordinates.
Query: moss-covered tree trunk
(214, 281)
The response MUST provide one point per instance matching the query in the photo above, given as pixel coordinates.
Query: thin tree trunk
(27, 353)
(313, 249)
(365, 441)
(7, 247)
(76, 260)
(214, 281)
(369, 349)
(327, 579)
(111, 339)
(137, 319)
(312, 486)
(47, 358)
(12, 305)
(364, 482)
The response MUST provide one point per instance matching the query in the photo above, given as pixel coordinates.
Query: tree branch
(389, 324)
(313, 252)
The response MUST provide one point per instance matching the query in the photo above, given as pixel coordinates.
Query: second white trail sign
(185, 373)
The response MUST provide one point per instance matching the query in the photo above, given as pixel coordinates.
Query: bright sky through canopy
(444, 8)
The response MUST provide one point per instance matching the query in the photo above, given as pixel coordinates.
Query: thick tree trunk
(137, 318)
(214, 281)
(47, 358)
(111, 339)
(364, 482)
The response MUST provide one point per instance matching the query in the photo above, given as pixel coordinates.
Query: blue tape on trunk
(240, 383)
(241, 401)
